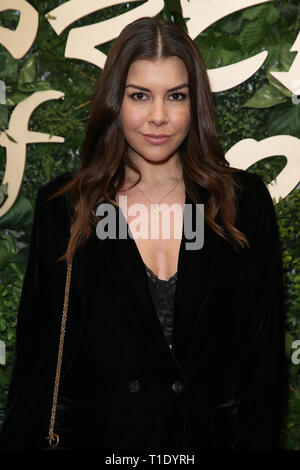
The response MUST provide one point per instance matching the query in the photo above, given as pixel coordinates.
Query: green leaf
(269, 13)
(28, 71)
(230, 43)
(178, 19)
(173, 6)
(172, 12)
(275, 83)
(260, 17)
(15, 98)
(273, 54)
(7, 249)
(3, 115)
(212, 38)
(203, 47)
(227, 52)
(17, 267)
(285, 120)
(252, 34)
(229, 57)
(266, 97)
(35, 86)
(164, 15)
(10, 137)
(3, 193)
(253, 12)
(273, 14)
(8, 67)
(20, 257)
(214, 59)
(288, 11)
(286, 58)
(19, 214)
(4, 375)
(231, 24)
(47, 164)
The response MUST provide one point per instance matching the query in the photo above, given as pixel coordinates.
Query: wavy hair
(104, 156)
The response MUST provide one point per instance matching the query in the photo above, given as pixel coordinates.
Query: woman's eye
(137, 96)
(181, 96)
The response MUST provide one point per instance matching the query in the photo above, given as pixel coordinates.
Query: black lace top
(163, 295)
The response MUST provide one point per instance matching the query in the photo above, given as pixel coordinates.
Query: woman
(168, 344)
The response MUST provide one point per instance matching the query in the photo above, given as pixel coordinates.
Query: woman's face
(156, 101)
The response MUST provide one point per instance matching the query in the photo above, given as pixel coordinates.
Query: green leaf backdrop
(258, 108)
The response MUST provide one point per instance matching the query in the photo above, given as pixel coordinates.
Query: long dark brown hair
(104, 154)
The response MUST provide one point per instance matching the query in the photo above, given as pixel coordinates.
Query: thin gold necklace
(155, 207)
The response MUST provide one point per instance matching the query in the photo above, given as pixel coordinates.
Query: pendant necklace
(155, 207)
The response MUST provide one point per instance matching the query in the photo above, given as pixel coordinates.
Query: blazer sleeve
(31, 386)
(261, 358)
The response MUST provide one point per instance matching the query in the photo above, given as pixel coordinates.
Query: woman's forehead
(157, 72)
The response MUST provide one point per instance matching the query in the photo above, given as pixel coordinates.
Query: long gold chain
(53, 437)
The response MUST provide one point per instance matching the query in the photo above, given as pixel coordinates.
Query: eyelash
(183, 95)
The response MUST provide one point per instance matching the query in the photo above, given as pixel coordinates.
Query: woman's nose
(158, 112)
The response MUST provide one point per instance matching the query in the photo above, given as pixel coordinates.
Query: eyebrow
(146, 89)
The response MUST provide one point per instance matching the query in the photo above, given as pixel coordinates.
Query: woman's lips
(156, 140)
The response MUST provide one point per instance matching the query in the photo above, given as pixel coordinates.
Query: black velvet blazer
(122, 387)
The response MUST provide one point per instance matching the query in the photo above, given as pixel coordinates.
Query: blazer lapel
(195, 269)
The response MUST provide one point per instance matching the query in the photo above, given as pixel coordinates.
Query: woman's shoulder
(54, 213)
(248, 180)
(252, 190)
(254, 202)
(55, 184)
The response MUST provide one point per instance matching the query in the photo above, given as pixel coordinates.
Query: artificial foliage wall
(258, 108)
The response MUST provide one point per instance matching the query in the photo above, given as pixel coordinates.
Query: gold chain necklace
(155, 207)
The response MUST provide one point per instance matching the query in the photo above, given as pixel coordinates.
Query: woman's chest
(156, 231)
